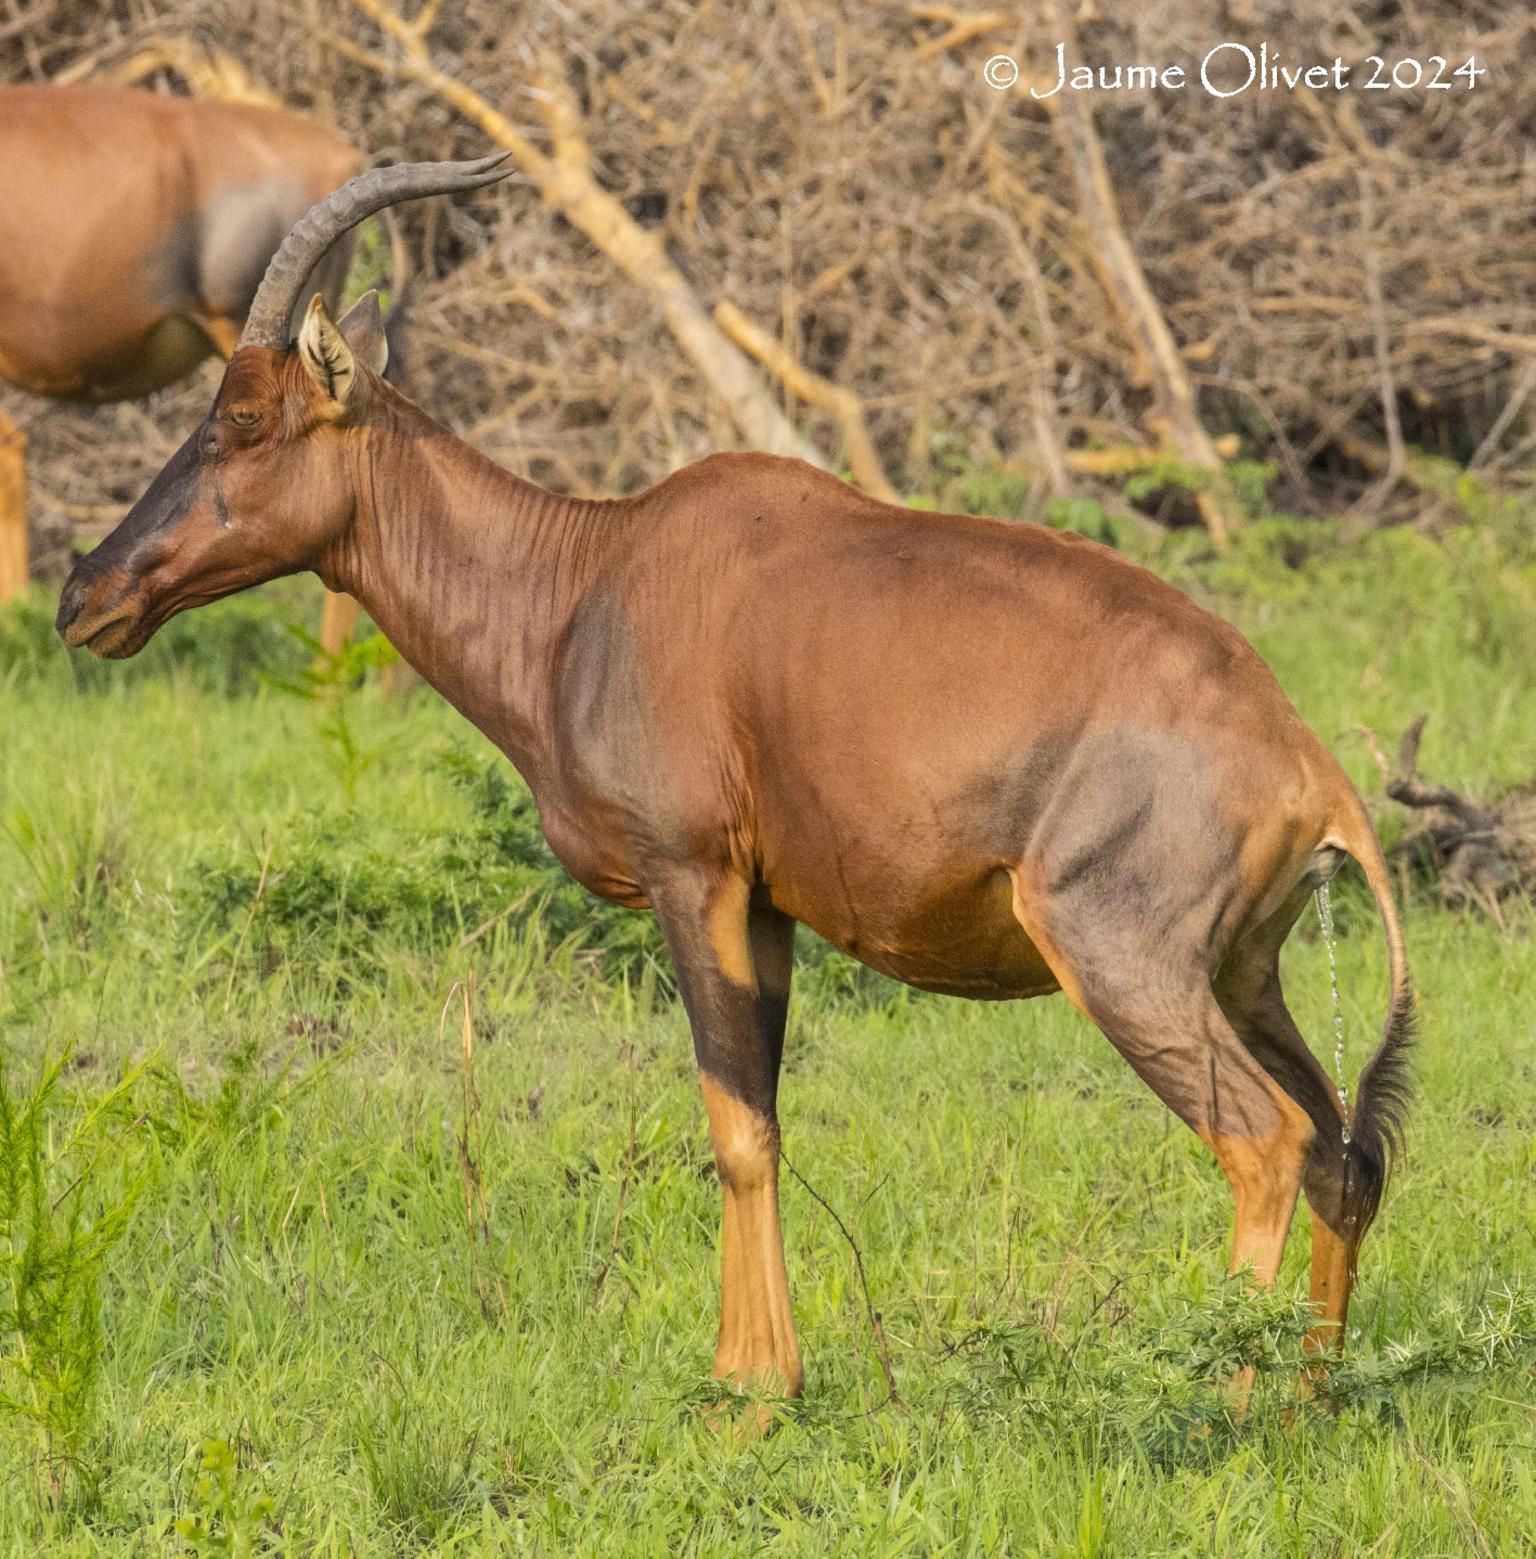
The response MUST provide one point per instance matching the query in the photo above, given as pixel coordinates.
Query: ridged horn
(320, 227)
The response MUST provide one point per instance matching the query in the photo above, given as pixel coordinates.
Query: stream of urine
(1325, 915)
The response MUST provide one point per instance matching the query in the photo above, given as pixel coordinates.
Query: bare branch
(1127, 285)
(844, 405)
(565, 180)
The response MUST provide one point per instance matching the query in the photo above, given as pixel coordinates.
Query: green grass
(255, 1156)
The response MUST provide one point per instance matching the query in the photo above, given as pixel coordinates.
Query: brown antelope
(136, 229)
(990, 760)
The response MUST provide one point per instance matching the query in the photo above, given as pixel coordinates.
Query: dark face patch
(166, 501)
(102, 597)
(228, 511)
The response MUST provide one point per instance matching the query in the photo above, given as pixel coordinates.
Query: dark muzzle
(103, 600)
(99, 607)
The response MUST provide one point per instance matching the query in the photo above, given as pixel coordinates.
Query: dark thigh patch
(171, 280)
(1136, 842)
(239, 229)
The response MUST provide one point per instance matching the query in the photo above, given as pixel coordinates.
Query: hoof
(1238, 1389)
(743, 1422)
(757, 1401)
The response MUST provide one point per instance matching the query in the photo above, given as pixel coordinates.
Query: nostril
(71, 599)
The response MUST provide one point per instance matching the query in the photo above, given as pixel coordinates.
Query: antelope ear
(363, 326)
(326, 354)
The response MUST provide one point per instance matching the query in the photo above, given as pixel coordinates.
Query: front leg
(733, 959)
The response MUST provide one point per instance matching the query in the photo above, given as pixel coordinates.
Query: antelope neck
(471, 572)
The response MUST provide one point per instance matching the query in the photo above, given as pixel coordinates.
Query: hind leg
(1271, 1034)
(1153, 1000)
(1155, 1004)
(1248, 988)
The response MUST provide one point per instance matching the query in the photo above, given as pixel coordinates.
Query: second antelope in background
(137, 228)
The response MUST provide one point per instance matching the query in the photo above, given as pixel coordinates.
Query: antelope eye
(244, 416)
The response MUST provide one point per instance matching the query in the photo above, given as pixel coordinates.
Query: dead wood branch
(844, 177)
(1127, 285)
(961, 29)
(208, 71)
(1511, 341)
(844, 405)
(1381, 340)
(1475, 853)
(24, 21)
(1127, 459)
(564, 179)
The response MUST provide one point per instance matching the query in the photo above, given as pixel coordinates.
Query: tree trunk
(13, 511)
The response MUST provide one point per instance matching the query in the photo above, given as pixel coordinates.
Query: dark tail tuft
(1380, 1115)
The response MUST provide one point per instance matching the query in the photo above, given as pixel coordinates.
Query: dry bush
(1346, 274)
(1476, 853)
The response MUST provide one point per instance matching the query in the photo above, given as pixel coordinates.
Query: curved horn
(320, 227)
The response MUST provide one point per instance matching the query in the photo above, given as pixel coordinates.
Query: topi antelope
(990, 760)
(137, 228)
